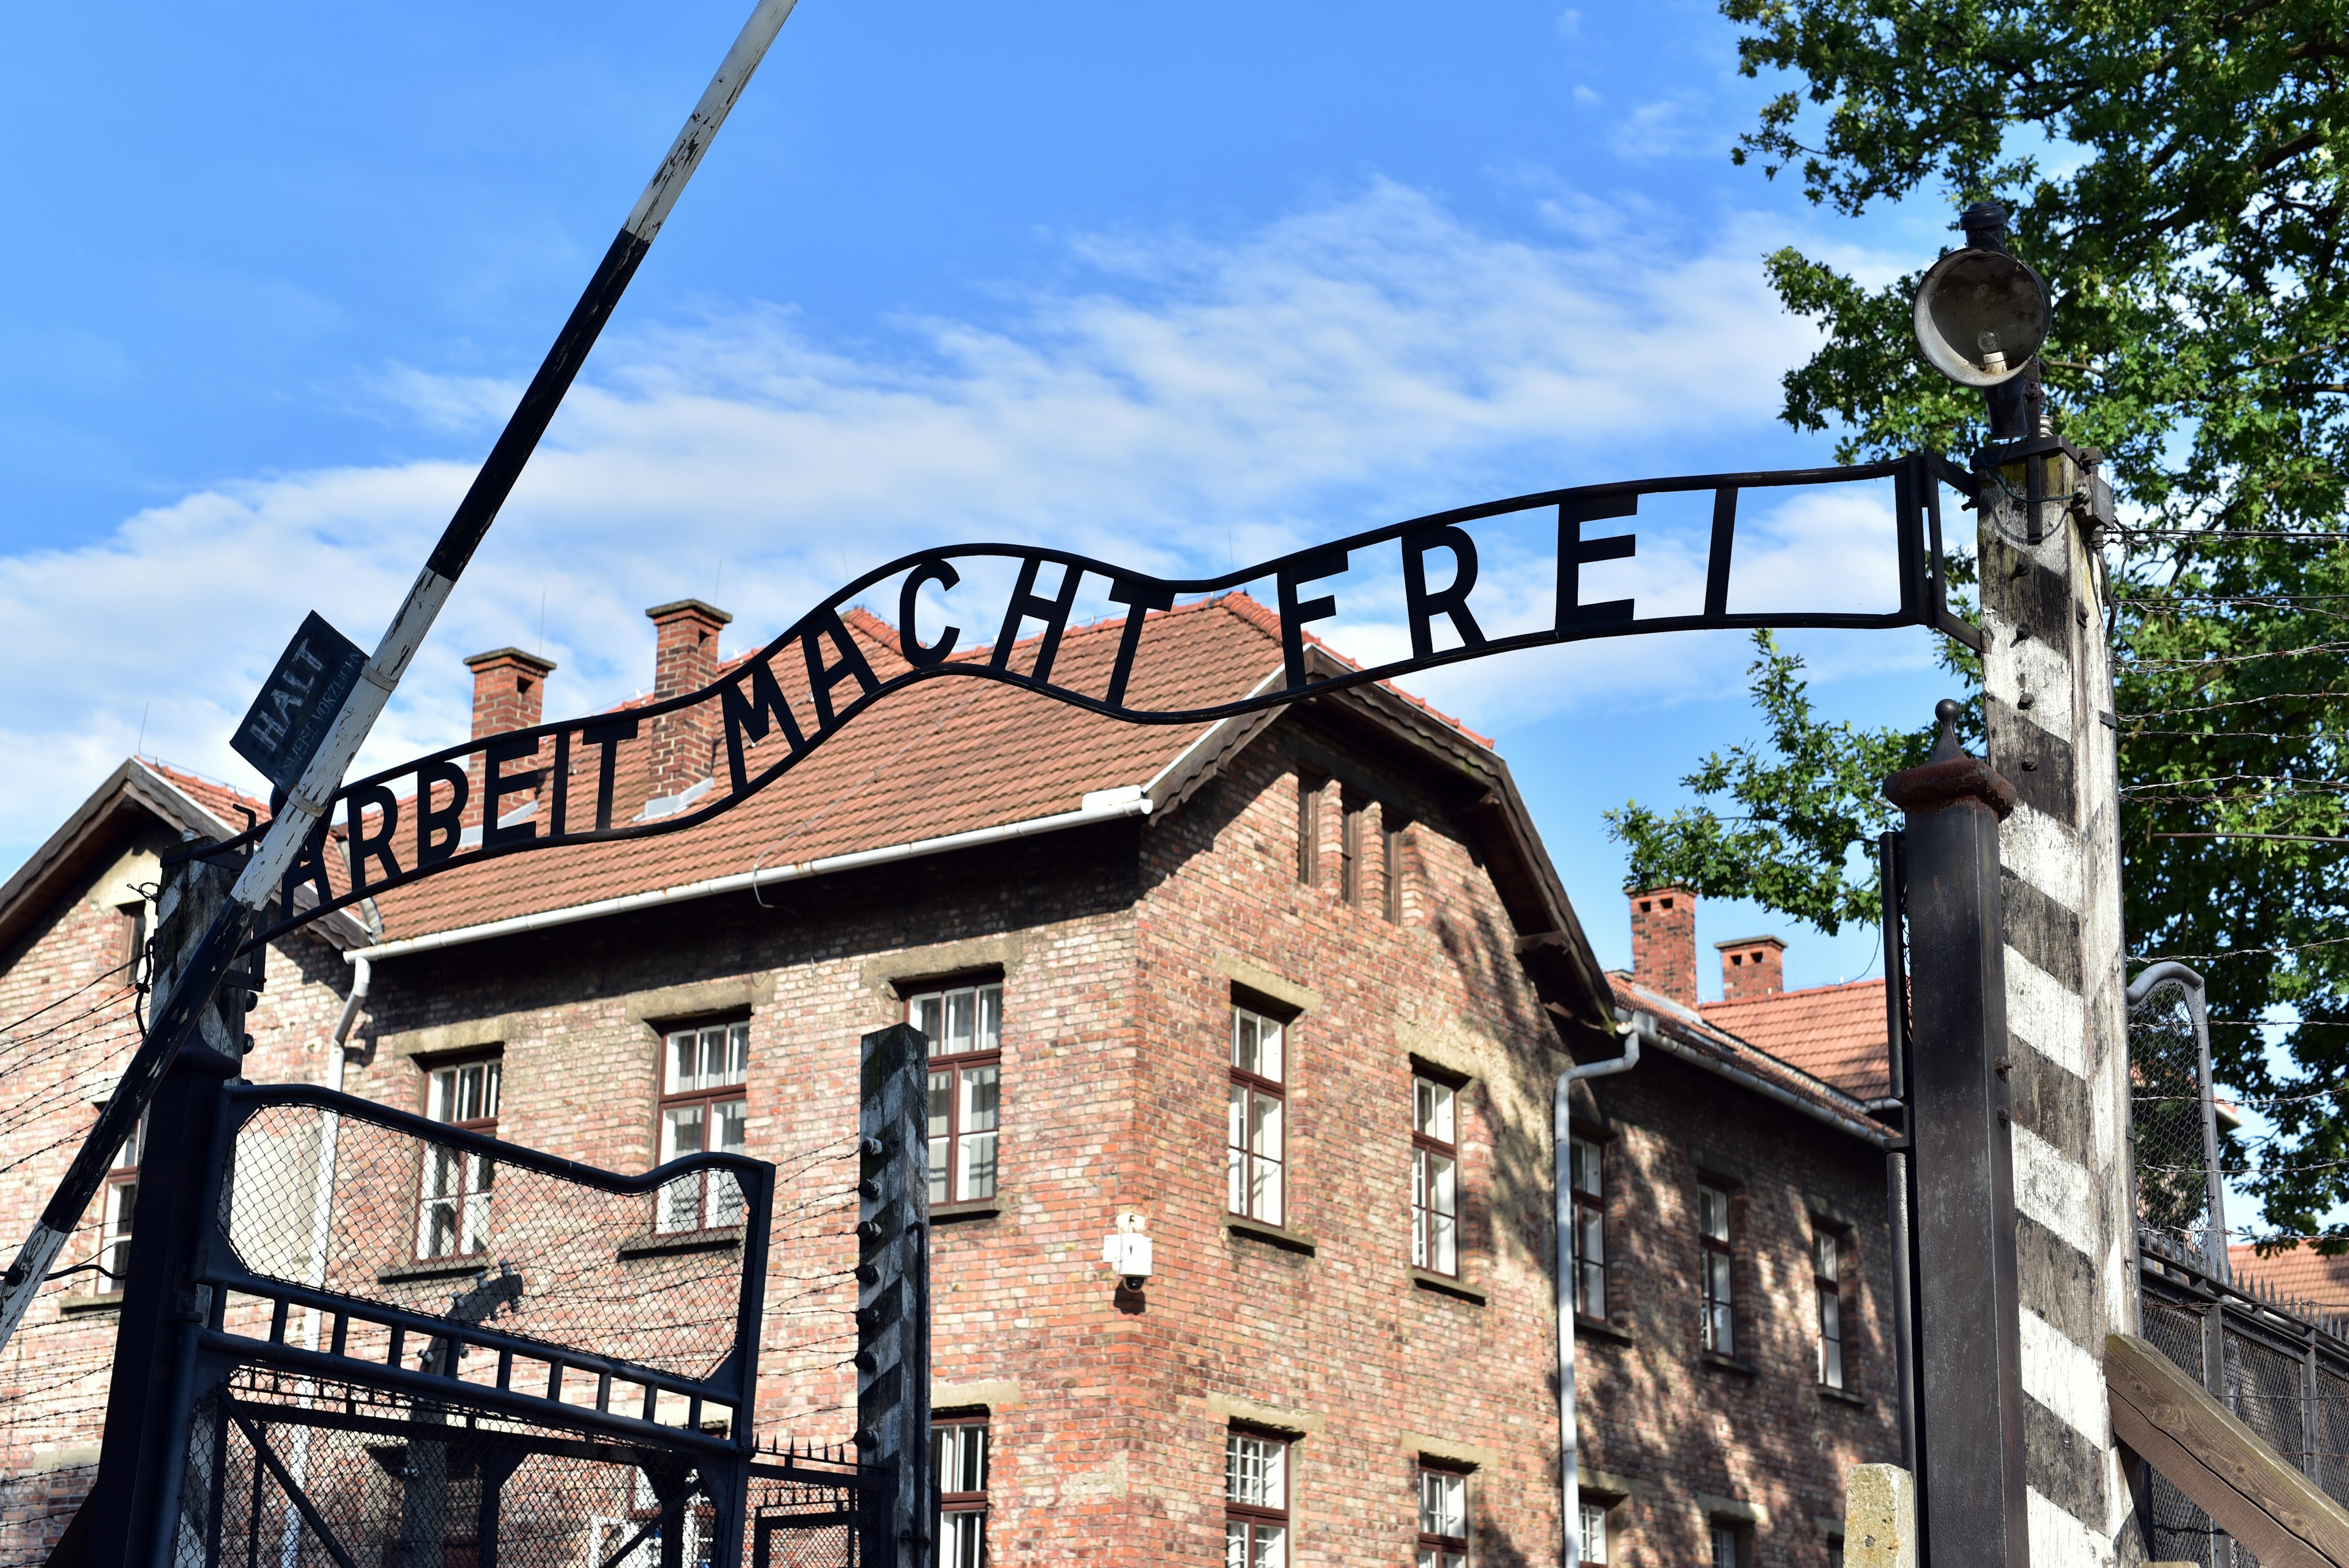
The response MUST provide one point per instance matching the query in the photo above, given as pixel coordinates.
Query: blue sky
(1192, 284)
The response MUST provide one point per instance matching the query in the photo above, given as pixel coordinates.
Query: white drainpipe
(1569, 1487)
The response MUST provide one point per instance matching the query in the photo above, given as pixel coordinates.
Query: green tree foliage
(2175, 174)
(1807, 809)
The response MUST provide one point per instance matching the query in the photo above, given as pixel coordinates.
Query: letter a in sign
(283, 729)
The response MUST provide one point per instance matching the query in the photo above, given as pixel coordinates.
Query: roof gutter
(1865, 1132)
(1100, 806)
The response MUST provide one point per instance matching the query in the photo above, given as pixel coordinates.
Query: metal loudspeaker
(1981, 316)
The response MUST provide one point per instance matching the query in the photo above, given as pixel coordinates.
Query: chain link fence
(2177, 1192)
(359, 1205)
(2279, 1367)
(292, 1473)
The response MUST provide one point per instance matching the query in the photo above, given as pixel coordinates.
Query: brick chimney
(508, 693)
(1752, 967)
(685, 658)
(1663, 942)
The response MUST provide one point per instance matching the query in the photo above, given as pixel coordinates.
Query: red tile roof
(222, 800)
(1832, 1032)
(941, 757)
(2297, 1275)
(1700, 1032)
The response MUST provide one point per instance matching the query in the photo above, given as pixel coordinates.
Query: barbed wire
(2196, 595)
(2241, 952)
(59, 1002)
(2210, 661)
(2232, 703)
(2288, 779)
(2139, 732)
(2127, 531)
(2226, 797)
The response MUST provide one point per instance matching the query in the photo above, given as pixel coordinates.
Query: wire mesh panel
(296, 1474)
(368, 1210)
(2284, 1373)
(2177, 1531)
(800, 1518)
(351, 1236)
(424, 1347)
(2165, 1092)
(2264, 1392)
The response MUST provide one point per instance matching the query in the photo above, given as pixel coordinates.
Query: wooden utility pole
(2051, 733)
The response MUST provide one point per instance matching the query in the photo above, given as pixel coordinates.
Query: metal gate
(372, 1340)
(804, 1509)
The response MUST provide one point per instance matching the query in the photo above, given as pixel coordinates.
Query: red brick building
(1289, 994)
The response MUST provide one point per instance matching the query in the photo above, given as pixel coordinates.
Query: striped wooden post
(2048, 685)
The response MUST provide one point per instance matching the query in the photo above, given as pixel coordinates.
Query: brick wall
(1689, 1432)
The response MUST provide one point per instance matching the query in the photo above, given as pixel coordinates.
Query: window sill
(673, 1244)
(1714, 1358)
(1274, 1235)
(1846, 1395)
(1600, 1328)
(1445, 1285)
(433, 1268)
(82, 1306)
(976, 1208)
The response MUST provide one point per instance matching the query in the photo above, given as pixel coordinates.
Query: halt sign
(283, 729)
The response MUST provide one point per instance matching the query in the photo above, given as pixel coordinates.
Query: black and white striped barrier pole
(175, 1015)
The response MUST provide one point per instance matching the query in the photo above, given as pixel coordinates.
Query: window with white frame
(1255, 1157)
(1729, 1549)
(453, 1215)
(958, 1460)
(1586, 1176)
(703, 1110)
(1434, 1176)
(1255, 1501)
(1716, 1301)
(964, 1024)
(117, 1205)
(1826, 1278)
(1594, 1534)
(1443, 1518)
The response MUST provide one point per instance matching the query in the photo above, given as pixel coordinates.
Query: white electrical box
(1127, 1250)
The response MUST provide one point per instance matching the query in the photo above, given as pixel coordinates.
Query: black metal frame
(753, 704)
(203, 1354)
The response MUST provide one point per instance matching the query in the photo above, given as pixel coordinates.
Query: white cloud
(1680, 125)
(1370, 359)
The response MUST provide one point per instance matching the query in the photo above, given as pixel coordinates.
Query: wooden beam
(2249, 1489)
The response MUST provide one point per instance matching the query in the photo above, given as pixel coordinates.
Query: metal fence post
(1901, 1195)
(892, 1302)
(1970, 1395)
(133, 1501)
